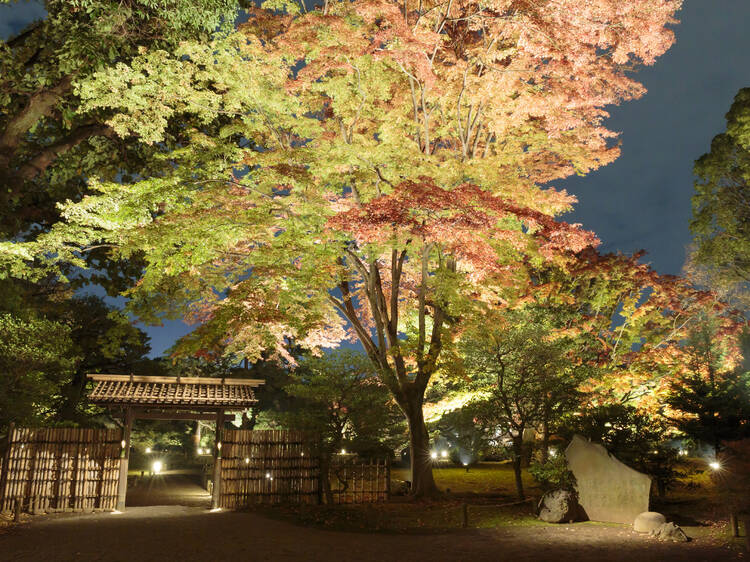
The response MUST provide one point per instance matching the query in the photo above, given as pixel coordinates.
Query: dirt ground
(171, 488)
(191, 533)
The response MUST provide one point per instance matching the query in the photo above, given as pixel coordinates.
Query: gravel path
(171, 488)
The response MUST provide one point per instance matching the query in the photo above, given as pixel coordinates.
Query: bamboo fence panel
(267, 467)
(60, 469)
(274, 467)
(355, 480)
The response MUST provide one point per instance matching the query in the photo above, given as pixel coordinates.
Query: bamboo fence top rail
(127, 390)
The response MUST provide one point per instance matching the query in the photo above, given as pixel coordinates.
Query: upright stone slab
(608, 490)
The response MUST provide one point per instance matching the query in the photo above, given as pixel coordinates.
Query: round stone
(648, 521)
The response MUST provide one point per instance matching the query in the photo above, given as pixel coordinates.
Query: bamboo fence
(267, 467)
(60, 469)
(360, 481)
(274, 467)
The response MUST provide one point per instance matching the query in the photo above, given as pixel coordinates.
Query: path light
(157, 466)
(715, 465)
(443, 453)
(433, 455)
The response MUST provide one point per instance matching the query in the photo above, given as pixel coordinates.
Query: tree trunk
(661, 488)
(326, 494)
(73, 396)
(197, 437)
(545, 440)
(422, 481)
(517, 458)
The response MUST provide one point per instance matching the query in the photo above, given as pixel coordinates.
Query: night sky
(641, 201)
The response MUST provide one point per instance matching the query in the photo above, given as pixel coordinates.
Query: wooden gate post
(216, 493)
(4, 467)
(122, 485)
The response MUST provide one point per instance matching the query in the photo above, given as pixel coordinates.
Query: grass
(403, 516)
(488, 489)
(487, 478)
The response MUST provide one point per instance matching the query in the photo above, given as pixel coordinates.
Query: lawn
(486, 493)
(486, 478)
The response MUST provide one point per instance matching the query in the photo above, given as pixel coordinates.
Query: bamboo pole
(122, 487)
(216, 496)
(5, 467)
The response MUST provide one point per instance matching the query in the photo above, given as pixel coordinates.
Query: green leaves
(721, 204)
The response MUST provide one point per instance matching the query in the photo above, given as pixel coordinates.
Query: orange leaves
(468, 221)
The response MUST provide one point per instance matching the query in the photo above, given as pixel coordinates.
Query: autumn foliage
(377, 170)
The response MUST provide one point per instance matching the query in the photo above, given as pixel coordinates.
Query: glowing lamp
(433, 455)
(715, 465)
(157, 467)
(247, 460)
(443, 454)
(148, 450)
(343, 451)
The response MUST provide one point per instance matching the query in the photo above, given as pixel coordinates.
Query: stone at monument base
(608, 490)
(671, 532)
(648, 522)
(558, 506)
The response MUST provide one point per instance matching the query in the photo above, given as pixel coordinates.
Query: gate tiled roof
(170, 392)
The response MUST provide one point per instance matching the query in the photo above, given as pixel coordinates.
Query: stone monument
(608, 490)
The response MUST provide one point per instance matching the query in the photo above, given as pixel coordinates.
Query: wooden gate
(273, 467)
(60, 469)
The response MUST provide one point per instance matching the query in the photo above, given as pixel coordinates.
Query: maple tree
(377, 162)
(524, 376)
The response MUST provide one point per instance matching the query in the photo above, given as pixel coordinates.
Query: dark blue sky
(641, 201)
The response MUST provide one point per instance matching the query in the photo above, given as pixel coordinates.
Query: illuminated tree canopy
(368, 169)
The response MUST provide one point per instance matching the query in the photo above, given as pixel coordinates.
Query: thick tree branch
(43, 159)
(40, 105)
